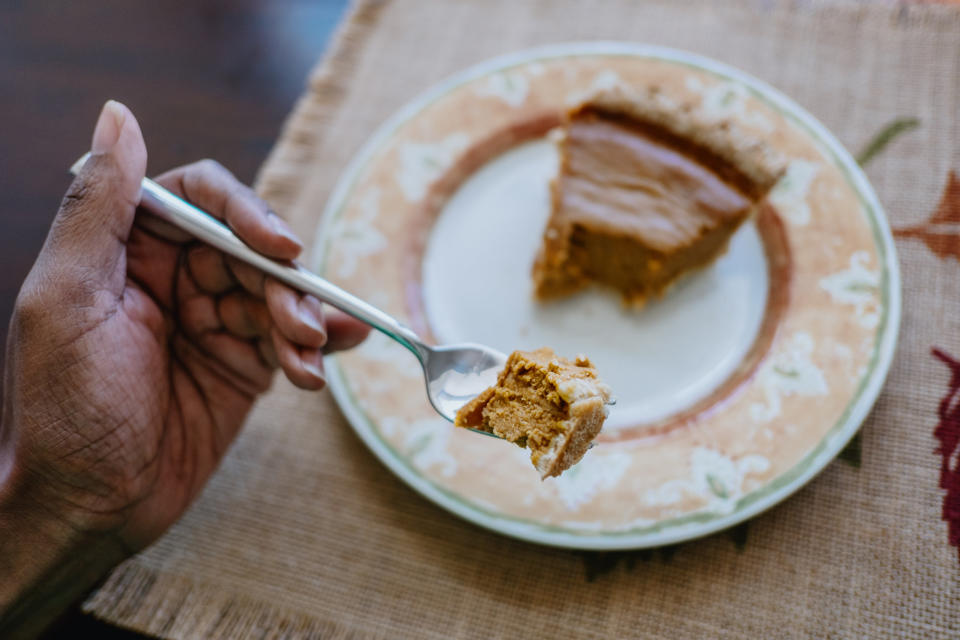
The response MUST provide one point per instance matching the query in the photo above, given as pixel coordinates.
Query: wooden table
(206, 78)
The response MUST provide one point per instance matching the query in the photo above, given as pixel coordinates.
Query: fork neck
(405, 336)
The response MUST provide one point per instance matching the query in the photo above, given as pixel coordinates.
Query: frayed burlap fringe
(282, 175)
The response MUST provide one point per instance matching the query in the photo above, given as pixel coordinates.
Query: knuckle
(81, 193)
(89, 185)
(198, 174)
(210, 169)
(208, 164)
(49, 291)
(210, 182)
(34, 316)
(243, 208)
(30, 309)
(78, 191)
(257, 204)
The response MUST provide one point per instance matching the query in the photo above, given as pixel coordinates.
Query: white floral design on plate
(604, 81)
(598, 471)
(357, 237)
(790, 194)
(422, 163)
(510, 86)
(858, 286)
(727, 101)
(789, 372)
(379, 348)
(714, 478)
(425, 444)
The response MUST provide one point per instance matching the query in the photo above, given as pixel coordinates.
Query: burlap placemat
(303, 533)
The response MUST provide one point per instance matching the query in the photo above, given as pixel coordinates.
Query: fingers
(280, 326)
(241, 357)
(207, 322)
(268, 353)
(251, 278)
(88, 235)
(229, 359)
(282, 329)
(212, 188)
(208, 269)
(298, 334)
(302, 366)
(298, 318)
(343, 331)
(243, 315)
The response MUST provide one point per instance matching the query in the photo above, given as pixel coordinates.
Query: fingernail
(314, 370)
(282, 229)
(310, 318)
(109, 124)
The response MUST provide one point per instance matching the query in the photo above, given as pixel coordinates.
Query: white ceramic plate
(733, 391)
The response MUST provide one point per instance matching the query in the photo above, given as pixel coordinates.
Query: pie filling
(548, 404)
(636, 204)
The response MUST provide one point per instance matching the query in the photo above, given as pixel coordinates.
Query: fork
(454, 374)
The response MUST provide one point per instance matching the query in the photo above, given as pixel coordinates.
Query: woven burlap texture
(302, 532)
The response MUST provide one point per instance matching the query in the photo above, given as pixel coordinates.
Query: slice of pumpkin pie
(548, 404)
(645, 193)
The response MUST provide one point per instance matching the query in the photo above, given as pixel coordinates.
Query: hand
(135, 354)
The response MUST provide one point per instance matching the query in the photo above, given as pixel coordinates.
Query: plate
(733, 391)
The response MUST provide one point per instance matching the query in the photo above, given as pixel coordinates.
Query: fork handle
(201, 225)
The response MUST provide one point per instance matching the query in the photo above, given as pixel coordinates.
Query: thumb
(89, 234)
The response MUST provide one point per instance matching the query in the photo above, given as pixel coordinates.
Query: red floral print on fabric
(948, 434)
(941, 233)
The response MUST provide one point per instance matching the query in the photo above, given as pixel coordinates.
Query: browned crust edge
(748, 163)
(589, 416)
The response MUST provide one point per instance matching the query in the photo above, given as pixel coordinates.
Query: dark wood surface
(205, 78)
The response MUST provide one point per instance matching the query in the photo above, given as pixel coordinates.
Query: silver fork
(454, 373)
